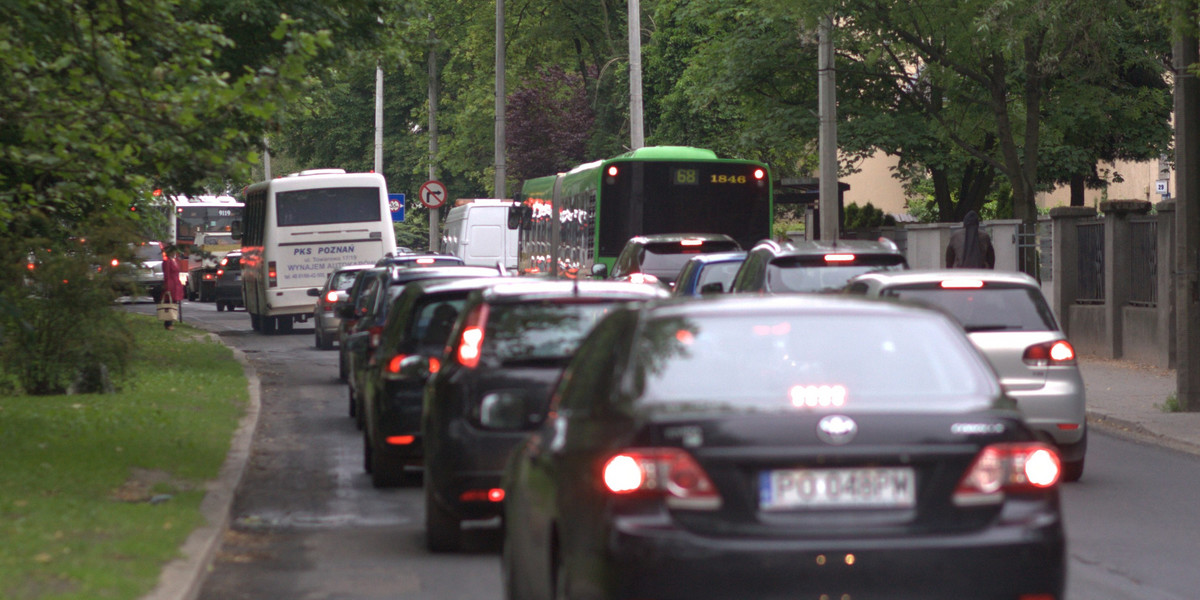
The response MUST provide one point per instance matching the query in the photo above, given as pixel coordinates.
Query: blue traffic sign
(396, 204)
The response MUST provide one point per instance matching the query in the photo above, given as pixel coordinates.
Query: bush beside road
(100, 491)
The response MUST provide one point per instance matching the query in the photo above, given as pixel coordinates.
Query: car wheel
(343, 374)
(220, 306)
(443, 530)
(324, 342)
(366, 453)
(560, 577)
(353, 404)
(284, 324)
(1072, 471)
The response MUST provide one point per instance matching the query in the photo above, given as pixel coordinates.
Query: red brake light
(691, 242)
(839, 258)
(331, 297)
(426, 261)
(1009, 467)
(435, 365)
(470, 344)
(220, 272)
(114, 262)
(30, 266)
(671, 473)
(759, 174)
(961, 283)
(1050, 354)
(393, 365)
(401, 440)
(491, 495)
(612, 170)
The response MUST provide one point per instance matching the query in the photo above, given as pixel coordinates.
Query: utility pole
(378, 119)
(827, 142)
(433, 137)
(266, 160)
(1187, 213)
(500, 101)
(637, 137)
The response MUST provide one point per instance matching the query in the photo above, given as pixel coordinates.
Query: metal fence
(1143, 274)
(1091, 262)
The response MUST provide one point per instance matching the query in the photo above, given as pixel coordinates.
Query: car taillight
(670, 473)
(839, 258)
(331, 298)
(691, 242)
(488, 495)
(210, 276)
(374, 334)
(470, 343)
(1050, 354)
(393, 365)
(1008, 467)
(961, 283)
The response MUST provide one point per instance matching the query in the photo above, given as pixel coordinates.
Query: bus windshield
(683, 197)
(325, 206)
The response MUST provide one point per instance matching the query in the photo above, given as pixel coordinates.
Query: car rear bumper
(646, 560)
(1058, 408)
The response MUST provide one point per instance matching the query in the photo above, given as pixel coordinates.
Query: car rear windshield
(433, 323)
(987, 309)
(816, 274)
(540, 331)
(666, 259)
(148, 252)
(342, 280)
(722, 272)
(812, 362)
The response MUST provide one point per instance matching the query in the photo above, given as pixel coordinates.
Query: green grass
(78, 473)
(1170, 405)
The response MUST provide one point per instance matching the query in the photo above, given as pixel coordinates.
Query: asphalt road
(307, 524)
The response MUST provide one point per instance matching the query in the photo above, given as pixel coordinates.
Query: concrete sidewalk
(1129, 399)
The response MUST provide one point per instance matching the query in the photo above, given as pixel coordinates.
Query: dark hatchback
(371, 311)
(410, 346)
(229, 282)
(737, 448)
(509, 348)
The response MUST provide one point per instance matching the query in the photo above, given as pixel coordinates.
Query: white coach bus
(296, 229)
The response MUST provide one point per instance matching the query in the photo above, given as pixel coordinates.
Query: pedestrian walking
(172, 291)
(969, 247)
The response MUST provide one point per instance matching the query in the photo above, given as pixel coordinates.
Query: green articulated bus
(574, 220)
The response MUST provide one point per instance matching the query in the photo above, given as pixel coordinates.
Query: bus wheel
(255, 322)
(269, 324)
(284, 324)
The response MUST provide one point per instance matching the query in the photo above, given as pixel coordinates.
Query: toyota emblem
(837, 429)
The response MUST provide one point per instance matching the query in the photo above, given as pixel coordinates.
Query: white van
(477, 232)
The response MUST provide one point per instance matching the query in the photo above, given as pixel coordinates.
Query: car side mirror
(314, 292)
(510, 410)
(712, 288)
(599, 270)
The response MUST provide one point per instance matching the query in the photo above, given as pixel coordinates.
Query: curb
(1136, 432)
(181, 578)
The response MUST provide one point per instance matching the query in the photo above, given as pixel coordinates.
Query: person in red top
(172, 286)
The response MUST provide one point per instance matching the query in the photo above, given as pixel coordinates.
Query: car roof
(398, 259)
(519, 289)
(352, 268)
(444, 286)
(404, 275)
(654, 238)
(718, 257)
(823, 247)
(814, 304)
(919, 276)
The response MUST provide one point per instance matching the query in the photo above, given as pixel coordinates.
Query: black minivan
(511, 340)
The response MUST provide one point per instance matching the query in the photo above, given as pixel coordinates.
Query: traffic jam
(741, 438)
(687, 417)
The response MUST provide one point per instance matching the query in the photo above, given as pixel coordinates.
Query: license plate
(881, 487)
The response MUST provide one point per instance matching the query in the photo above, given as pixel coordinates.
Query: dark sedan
(781, 447)
(513, 341)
